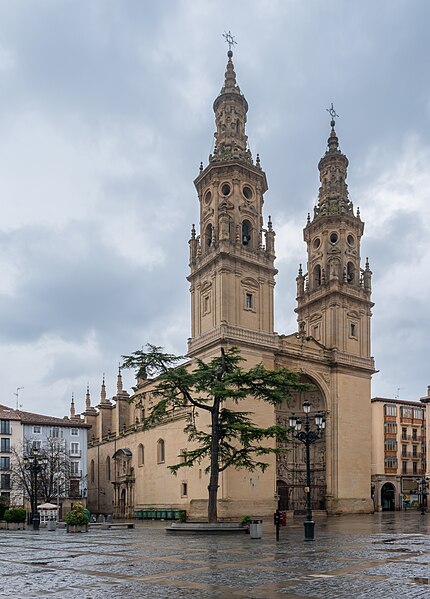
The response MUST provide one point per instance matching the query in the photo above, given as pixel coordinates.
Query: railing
(76, 474)
(75, 453)
(4, 468)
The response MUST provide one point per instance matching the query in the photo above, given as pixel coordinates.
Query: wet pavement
(381, 555)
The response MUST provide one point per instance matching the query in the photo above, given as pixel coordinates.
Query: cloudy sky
(105, 115)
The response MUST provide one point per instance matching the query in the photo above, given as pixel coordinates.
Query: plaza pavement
(382, 555)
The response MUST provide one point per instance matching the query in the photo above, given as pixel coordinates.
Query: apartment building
(399, 451)
(64, 439)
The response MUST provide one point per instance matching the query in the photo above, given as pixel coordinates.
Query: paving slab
(380, 555)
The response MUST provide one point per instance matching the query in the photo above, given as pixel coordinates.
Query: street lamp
(422, 490)
(308, 436)
(35, 462)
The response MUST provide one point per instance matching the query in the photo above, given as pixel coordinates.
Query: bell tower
(231, 255)
(333, 297)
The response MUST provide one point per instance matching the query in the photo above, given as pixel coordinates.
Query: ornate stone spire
(72, 409)
(88, 399)
(119, 388)
(333, 192)
(103, 391)
(230, 109)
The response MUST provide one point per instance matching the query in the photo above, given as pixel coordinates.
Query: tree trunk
(214, 477)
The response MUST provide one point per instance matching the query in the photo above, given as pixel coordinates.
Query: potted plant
(15, 518)
(77, 519)
(246, 521)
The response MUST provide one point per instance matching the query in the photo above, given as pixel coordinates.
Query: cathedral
(232, 278)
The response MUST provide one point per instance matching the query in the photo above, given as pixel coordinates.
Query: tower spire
(333, 195)
(230, 109)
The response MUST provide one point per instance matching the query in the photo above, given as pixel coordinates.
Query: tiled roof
(30, 418)
(8, 413)
(405, 402)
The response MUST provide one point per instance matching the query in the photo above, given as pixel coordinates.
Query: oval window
(247, 192)
(208, 197)
(317, 243)
(333, 238)
(350, 239)
(225, 189)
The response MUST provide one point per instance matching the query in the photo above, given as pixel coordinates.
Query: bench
(109, 525)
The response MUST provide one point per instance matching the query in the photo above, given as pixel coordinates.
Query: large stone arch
(291, 464)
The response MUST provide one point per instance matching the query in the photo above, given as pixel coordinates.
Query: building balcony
(4, 468)
(76, 474)
(75, 453)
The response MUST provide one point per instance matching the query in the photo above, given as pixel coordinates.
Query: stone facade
(232, 279)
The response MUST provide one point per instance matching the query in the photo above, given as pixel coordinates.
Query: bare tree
(52, 481)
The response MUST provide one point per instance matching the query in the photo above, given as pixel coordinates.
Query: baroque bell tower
(232, 257)
(333, 297)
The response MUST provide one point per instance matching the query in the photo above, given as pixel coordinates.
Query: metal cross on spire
(332, 113)
(229, 39)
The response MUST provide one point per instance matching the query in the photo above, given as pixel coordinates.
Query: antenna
(18, 389)
(397, 396)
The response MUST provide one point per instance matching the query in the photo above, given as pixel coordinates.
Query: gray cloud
(105, 115)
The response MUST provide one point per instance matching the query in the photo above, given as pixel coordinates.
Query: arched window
(161, 451)
(350, 273)
(246, 232)
(92, 471)
(317, 276)
(209, 235)
(140, 455)
(108, 468)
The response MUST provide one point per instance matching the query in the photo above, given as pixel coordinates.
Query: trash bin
(256, 529)
(51, 525)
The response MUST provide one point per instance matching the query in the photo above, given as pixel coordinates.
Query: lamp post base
(309, 530)
(36, 521)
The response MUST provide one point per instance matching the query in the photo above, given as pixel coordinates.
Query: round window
(350, 239)
(333, 238)
(247, 192)
(225, 189)
(317, 243)
(208, 197)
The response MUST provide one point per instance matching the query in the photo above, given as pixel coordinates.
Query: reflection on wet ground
(381, 555)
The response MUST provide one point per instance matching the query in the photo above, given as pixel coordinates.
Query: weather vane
(229, 39)
(332, 112)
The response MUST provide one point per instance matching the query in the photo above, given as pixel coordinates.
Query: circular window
(350, 239)
(208, 197)
(247, 192)
(317, 243)
(333, 238)
(225, 189)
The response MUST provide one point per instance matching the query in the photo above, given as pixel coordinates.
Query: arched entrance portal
(388, 497)
(291, 464)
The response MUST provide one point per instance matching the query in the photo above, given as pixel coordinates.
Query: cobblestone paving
(380, 555)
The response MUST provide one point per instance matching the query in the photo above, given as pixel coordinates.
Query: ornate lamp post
(35, 462)
(308, 436)
(423, 491)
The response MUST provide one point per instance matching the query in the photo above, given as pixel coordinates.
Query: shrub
(15, 514)
(77, 516)
(246, 520)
